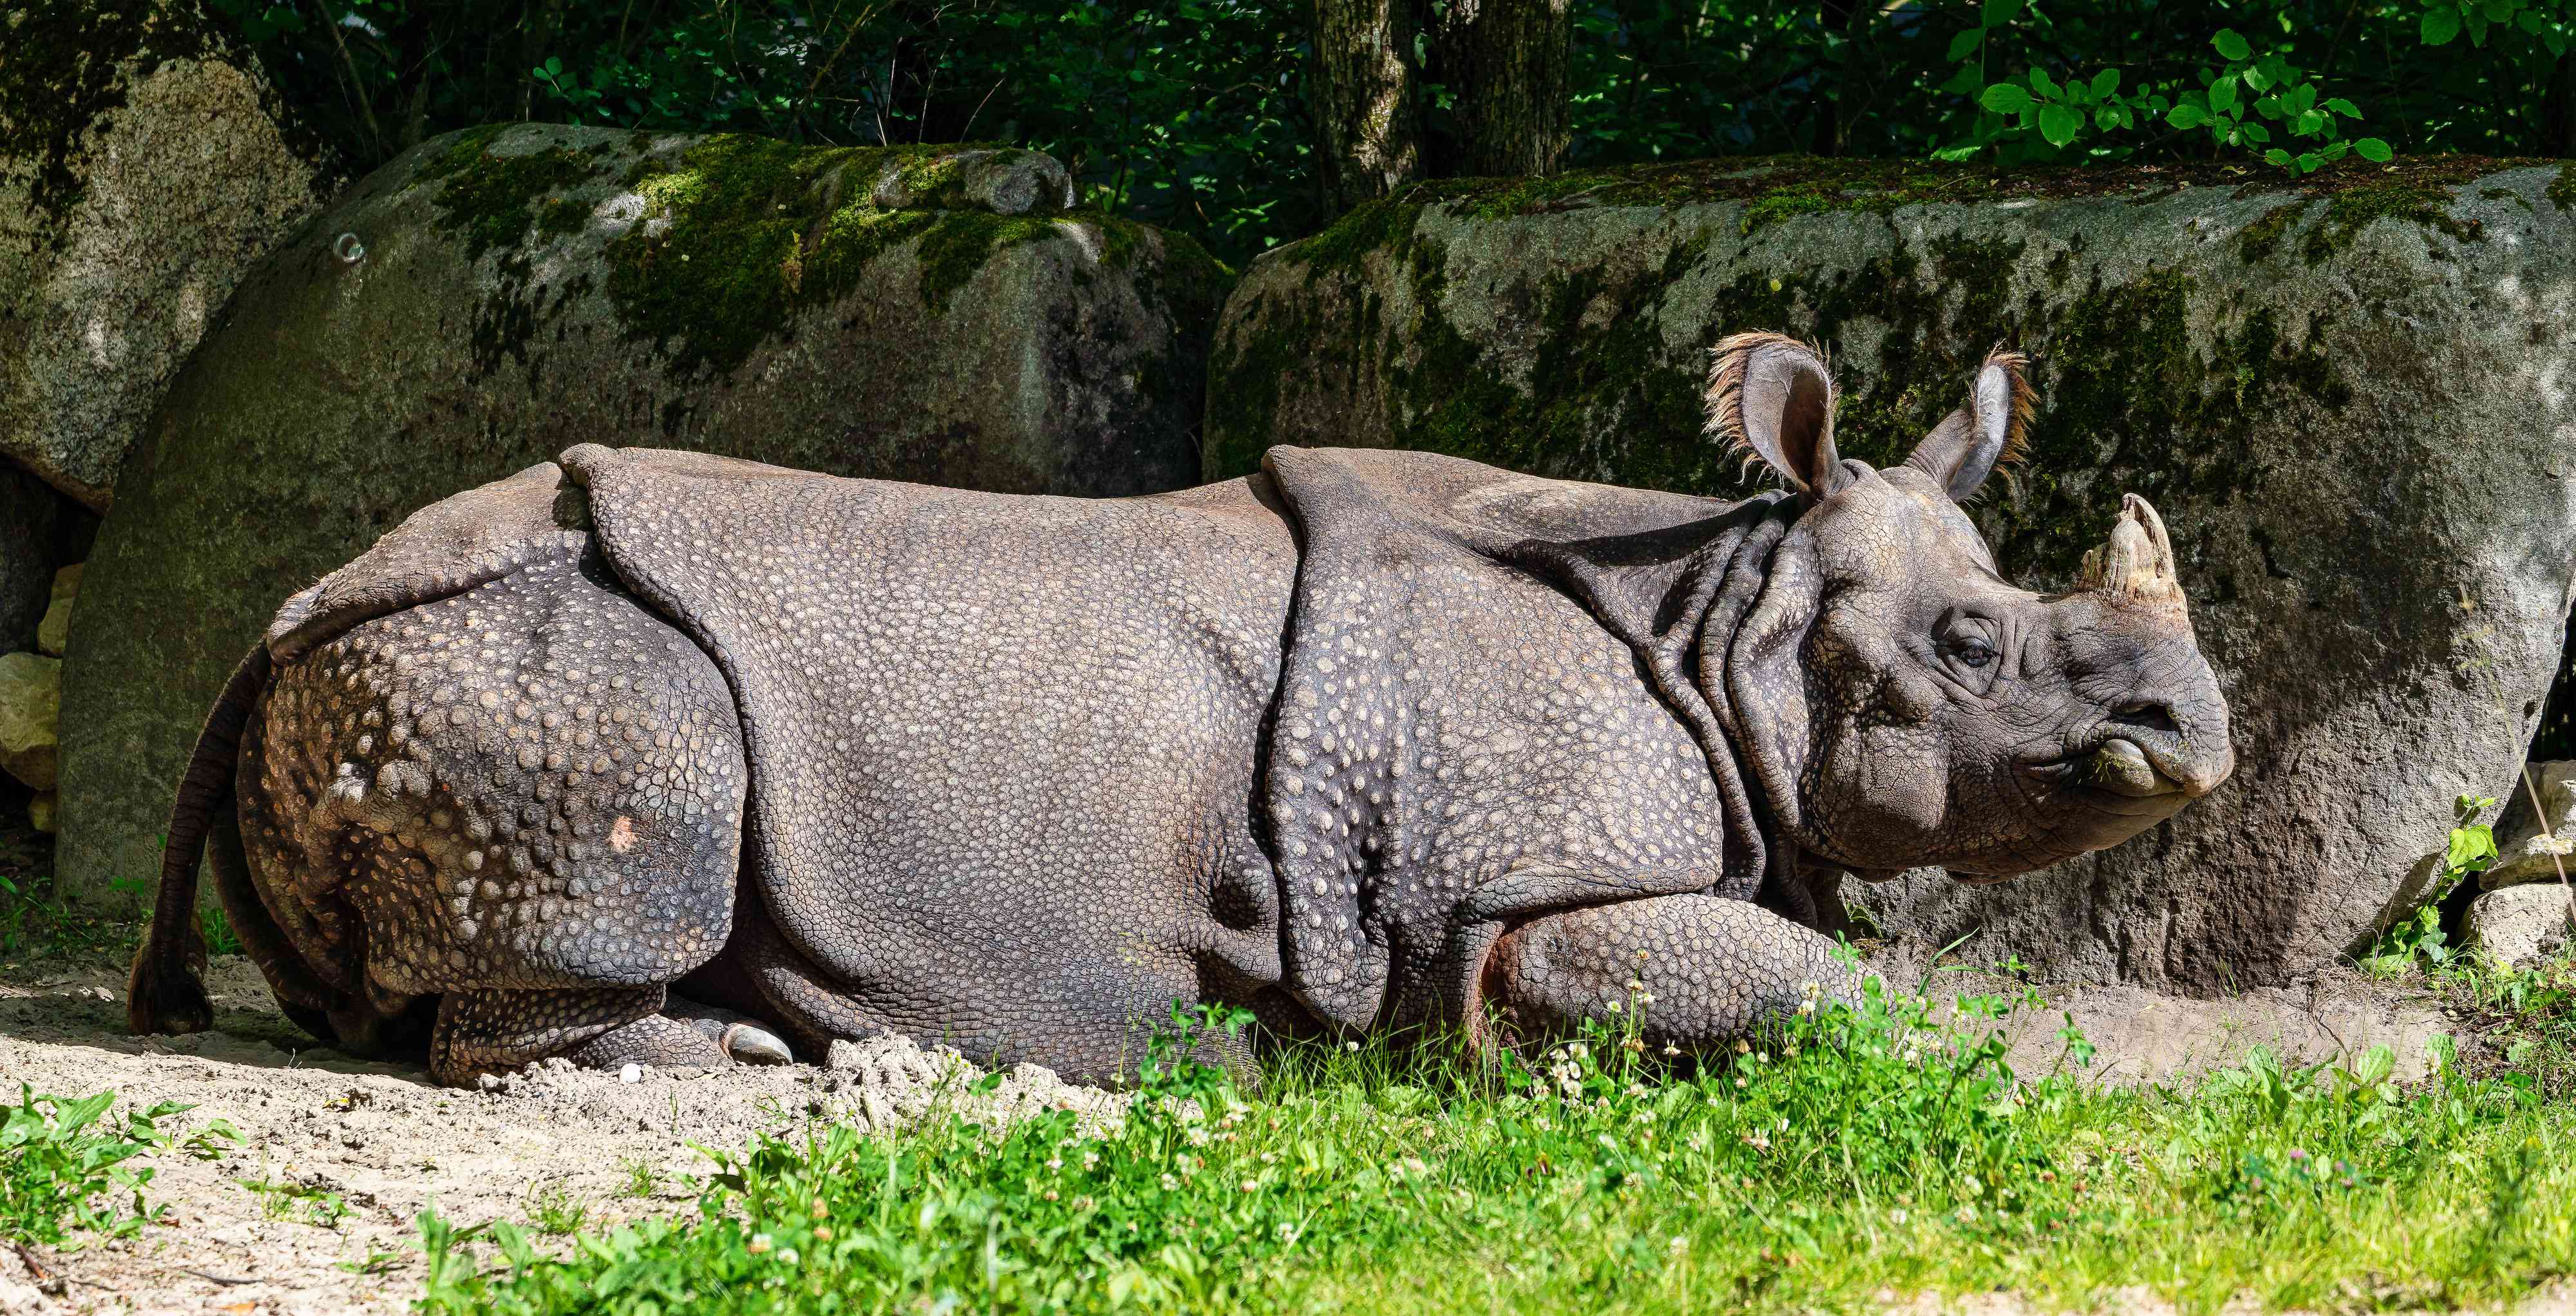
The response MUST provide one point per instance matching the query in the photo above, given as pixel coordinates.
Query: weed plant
(64, 1171)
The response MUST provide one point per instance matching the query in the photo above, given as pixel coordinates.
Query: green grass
(38, 923)
(64, 1171)
(1847, 1154)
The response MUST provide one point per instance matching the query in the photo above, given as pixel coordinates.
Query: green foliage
(2232, 104)
(1191, 114)
(58, 1160)
(1840, 1153)
(2419, 936)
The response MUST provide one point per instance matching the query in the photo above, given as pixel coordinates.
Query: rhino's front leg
(1713, 969)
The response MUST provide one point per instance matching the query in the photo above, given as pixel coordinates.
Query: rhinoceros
(656, 757)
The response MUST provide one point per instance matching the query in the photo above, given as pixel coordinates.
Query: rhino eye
(1969, 641)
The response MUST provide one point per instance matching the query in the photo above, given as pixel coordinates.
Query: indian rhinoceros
(651, 756)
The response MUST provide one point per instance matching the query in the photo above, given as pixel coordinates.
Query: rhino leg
(1713, 968)
(519, 807)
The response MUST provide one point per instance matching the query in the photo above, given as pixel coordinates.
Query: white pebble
(631, 1074)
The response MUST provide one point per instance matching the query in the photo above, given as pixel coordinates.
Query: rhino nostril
(2149, 717)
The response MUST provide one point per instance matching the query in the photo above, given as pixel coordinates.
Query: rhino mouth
(2121, 766)
(2125, 774)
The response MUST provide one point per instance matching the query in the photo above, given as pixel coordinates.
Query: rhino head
(1901, 702)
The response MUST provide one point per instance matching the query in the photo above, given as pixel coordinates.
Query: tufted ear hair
(1773, 396)
(1971, 442)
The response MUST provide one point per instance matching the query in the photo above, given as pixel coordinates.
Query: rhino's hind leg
(520, 807)
(1713, 968)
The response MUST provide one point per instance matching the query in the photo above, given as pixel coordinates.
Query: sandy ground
(371, 1145)
(383, 1142)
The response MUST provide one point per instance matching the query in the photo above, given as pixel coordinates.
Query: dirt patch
(313, 1211)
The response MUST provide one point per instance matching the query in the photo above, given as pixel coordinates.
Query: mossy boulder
(2349, 396)
(145, 165)
(494, 297)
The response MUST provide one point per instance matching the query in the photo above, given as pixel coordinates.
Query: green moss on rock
(2421, 201)
(2262, 237)
(498, 201)
(735, 235)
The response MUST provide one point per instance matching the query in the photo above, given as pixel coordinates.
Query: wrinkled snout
(2170, 737)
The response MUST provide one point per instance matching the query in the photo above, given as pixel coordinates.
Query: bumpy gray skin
(584, 762)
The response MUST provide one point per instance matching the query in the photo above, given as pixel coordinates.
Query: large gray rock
(2349, 396)
(143, 168)
(497, 296)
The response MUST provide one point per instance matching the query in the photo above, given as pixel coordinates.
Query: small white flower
(1252, 1185)
(1055, 1162)
(1678, 1243)
(1351, 1045)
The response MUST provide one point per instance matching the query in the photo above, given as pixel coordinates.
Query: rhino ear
(1772, 396)
(1971, 442)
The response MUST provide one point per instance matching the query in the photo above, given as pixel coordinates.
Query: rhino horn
(2137, 562)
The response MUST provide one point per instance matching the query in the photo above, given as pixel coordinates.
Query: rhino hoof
(755, 1046)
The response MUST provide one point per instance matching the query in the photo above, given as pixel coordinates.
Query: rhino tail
(166, 992)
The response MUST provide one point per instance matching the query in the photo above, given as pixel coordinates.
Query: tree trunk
(1508, 68)
(1838, 95)
(2556, 135)
(1368, 140)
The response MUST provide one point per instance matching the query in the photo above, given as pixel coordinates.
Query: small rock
(631, 1074)
(2521, 925)
(2526, 851)
(44, 812)
(31, 698)
(55, 630)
